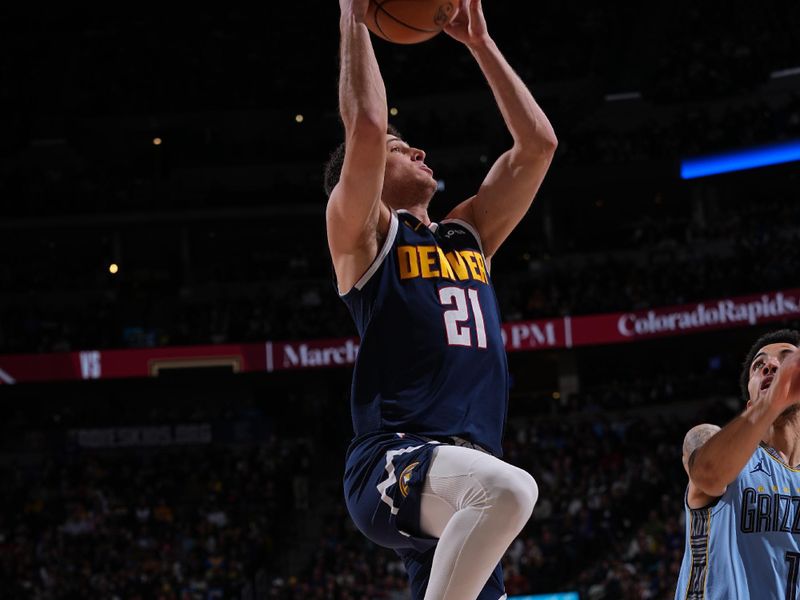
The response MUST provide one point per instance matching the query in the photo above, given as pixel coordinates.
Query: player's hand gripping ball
(409, 21)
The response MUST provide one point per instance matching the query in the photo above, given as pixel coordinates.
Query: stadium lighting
(791, 72)
(740, 160)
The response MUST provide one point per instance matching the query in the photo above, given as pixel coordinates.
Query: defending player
(429, 390)
(743, 499)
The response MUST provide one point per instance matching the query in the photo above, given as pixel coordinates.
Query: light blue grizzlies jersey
(746, 546)
(432, 360)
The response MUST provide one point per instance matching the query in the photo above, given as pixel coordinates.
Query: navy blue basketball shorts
(383, 480)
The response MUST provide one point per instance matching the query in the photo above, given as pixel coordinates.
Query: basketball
(409, 21)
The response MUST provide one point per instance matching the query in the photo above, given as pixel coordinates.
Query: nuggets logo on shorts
(405, 477)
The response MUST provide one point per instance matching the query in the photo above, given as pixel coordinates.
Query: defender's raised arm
(714, 461)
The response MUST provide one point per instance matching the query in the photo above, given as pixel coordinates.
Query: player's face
(407, 176)
(765, 365)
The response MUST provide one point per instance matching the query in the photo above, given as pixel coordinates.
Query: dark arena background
(175, 362)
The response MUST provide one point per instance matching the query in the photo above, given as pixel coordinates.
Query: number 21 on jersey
(457, 317)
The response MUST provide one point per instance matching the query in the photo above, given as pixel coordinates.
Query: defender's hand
(469, 24)
(785, 390)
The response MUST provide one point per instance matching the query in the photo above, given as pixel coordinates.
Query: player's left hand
(469, 24)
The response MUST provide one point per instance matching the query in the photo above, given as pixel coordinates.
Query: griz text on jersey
(774, 510)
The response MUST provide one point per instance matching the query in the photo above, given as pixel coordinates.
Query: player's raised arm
(354, 206)
(714, 461)
(508, 190)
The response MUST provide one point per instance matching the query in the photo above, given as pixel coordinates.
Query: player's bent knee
(526, 493)
(514, 494)
(529, 483)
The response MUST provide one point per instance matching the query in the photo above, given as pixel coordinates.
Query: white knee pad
(476, 505)
(461, 478)
(511, 492)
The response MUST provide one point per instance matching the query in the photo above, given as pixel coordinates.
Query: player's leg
(476, 505)
(418, 567)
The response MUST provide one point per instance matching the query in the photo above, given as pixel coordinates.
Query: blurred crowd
(199, 523)
(238, 296)
(608, 232)
(665, 263)
(186, 523)
(608, 523)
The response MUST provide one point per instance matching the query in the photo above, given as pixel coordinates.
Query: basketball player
(429, 389)
(743, 499)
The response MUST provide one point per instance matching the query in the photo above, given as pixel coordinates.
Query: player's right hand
(469, 25)
(357, 8)
(785, 389)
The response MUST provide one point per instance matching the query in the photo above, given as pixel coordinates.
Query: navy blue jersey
(432, 360)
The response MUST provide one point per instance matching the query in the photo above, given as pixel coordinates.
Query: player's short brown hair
(333, 168)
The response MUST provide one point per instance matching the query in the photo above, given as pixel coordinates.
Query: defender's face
(764, 367)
